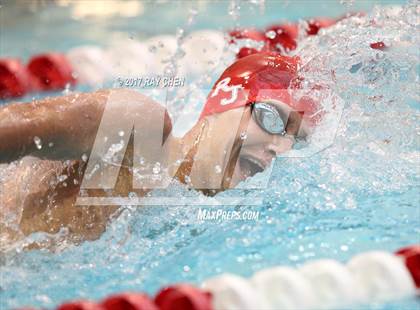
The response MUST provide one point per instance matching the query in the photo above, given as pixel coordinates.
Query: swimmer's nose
(279, 145)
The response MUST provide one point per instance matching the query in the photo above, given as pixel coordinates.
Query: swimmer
(249, 118)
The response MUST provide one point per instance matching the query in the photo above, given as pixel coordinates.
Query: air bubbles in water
(218, 169)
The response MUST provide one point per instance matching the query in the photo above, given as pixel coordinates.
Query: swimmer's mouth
(250, 166)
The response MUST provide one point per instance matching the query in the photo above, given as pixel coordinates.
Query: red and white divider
(176, 297)
(200, 52)
(279, 38)
(322, 284)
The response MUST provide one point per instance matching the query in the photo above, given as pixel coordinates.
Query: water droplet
(62, 177)
(180, 32)
(66, 90)
(84, 157)
(218, 169)
(187, 268)
(141, 160)
(51, 144)
(270, 34)
(38, 142)
(121, 133)
(243, 135)
(156, 168)
(132, 195)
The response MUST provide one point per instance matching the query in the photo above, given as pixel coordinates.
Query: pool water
(359, 194)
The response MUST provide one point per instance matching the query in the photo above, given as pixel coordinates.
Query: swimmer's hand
(62, 128)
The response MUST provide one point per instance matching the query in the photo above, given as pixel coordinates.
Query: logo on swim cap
(224, 86)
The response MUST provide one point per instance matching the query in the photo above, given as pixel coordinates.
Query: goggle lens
(268, 118)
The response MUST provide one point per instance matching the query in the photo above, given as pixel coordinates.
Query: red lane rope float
(284, 36)
(54, 71)
(278, 37)
(183, 297)
(51, 71)
(44, 72)
(79, 305)
(411, 255)
(175, 297)
(314, 25)
(367, 277)
(14, 78)
(248, 34)
(128, 301)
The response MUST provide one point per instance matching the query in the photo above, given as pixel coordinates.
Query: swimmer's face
(237, 142)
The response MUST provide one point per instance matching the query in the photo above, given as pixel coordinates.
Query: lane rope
(375, 276)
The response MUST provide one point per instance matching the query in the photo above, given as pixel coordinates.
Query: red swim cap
(258, 77)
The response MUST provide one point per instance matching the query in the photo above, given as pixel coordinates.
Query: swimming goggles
(269, 118)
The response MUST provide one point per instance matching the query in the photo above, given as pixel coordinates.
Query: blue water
(359, 194)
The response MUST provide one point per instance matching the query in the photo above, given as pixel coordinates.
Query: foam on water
(361, 193)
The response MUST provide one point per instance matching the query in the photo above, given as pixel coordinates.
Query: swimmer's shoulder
(153, 114)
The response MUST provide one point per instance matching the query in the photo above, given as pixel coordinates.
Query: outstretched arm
(52, 128)
(64, 128)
